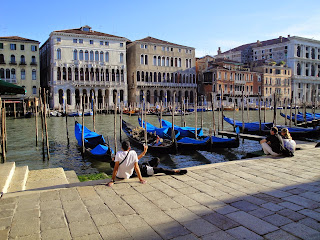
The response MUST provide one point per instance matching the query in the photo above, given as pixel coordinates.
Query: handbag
(112, 163)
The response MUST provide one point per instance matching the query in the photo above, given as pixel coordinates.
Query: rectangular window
(106, 43)
(121, 44)
(101, 42)
(91, 41)
(58, 39)
(146, 46)
(80, 40)
(22, 47)
(33, 48)
(1, 45)
(270, 50)
(154, 48)
(13, 46)
(171, 49)
(163, 48)
(75, 40)
(34, 90)
(179, 49)
(23, 74)
(142, 46)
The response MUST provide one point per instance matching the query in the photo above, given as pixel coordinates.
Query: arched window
(13, 73)
(142, 76)
(13, 59)
(154, 61)
(2, 73)
(159, 77)
(163, 61)
(96, 57)
(33, 60)
(81, 55)
(69, 74)
(121, 95)
(64, 73)
(22, 60)
(145, 59)
(107, 75)
(107, 56)
(155, 76)
(141, 95)
(168, 77)
(113, 75)
(150, 76)
(298, 51)
(138, 76)
(179, 62)
(117, 75)
(102, 75)
(148, 96)
(313, 55)
(167, 62)
(176, 62)
(7, 73)
(34, 74)
(59, 53)
(312, 70)
(121, 58)
(60, 96)
(122, 76)
(101, 56)
(147, 77)
(86, 75)
(86, 55)
(59, 73)
(159, 61)
(81, 74)
(187, 63)
(68, 97)
(171, 62)
(75, 55)
(91, 56)
(76, 74)
(97, 75)
(91, 75)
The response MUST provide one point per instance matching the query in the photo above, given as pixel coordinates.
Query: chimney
(258, 43)
(288, 36)
(219, 50)
(280, 38)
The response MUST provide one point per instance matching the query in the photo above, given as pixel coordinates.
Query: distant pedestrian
(273, 144)
(287, 140)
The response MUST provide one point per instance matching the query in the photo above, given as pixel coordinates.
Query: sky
(203, 24)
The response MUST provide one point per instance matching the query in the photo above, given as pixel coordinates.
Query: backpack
(287, 153)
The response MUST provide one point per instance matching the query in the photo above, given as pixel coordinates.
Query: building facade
(83, 62)
(302, 55)
(19, 64)
(157, 69)
(275, 79)
(230, 78)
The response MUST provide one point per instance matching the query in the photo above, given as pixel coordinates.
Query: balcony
(13, 63)
(33, 63)
(2, 62)
(10, 80)
(166, 84)
(22, 63)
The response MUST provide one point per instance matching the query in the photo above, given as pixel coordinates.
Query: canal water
(22, 145)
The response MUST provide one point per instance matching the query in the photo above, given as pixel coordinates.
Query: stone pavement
(261, 198)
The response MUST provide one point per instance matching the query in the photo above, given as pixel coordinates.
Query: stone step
(19, 179)
(72, 176)
(46, 179)
(6, 173)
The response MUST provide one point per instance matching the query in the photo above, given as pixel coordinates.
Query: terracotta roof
(91, 33)
(17, 38)
(158, 41)
(255, 44)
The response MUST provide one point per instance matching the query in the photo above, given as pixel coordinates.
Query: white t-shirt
(125, 170)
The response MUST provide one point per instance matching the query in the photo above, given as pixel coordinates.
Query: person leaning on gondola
(273, 144)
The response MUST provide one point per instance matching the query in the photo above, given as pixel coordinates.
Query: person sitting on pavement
(151, 167)
(125, 162)
(273, 144)
(287, 140)
(147, 169)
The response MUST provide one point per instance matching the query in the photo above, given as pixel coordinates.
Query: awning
(9, 88)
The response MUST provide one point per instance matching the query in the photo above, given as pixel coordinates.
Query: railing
(33, 63)
(2, 62)
(22, 63)
(10, 80)
(166, 84)
(13, 63)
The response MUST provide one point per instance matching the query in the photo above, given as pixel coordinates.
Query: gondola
(95, 145)
(136, 137)
(204, 143)
(296, 132)
(164, 132)
(249, 127)
(300, 117)
(184, 131)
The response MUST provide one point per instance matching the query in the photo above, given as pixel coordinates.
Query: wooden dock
(242, 135)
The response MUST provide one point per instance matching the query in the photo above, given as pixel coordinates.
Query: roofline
(88, 36)
(304, 39)
(170, 44)
(18, 40)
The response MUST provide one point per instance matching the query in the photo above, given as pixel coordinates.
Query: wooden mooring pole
(36, 118)
(196, 116)
(45, 124)
(66, 113)
(213, 119)
(82, 116)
